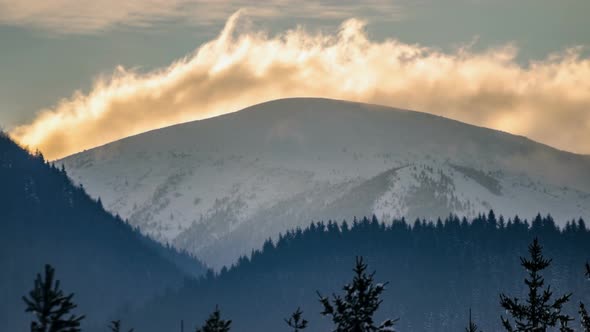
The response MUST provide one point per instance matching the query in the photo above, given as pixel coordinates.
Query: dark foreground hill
(437, 272)
(44, 218)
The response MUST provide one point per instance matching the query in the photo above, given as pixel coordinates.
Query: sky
(76, 74)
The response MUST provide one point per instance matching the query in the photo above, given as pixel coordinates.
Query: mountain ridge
(271, 102)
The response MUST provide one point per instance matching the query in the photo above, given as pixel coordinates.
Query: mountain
(437, 272)
(45, 219)
(219, 187)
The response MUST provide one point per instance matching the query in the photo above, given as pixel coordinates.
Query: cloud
(92, 16)
(547, 100)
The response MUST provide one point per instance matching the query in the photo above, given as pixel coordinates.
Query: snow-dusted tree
(215, 324)
(354, 311)
(584, 317)
(296, 321)
(52, 309)
(538, 312)
(116, 326)
(472, 327)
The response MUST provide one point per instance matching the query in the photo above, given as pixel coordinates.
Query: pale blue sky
(46, 56)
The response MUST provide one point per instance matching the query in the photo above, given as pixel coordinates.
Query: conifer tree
(215, 324)
(354, 311)
(116, 326)
(472, 327)
(584, 317)
(538, 311)
(296, 321)
(51, 307)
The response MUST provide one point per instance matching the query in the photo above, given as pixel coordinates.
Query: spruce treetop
(52, 309)
(296, 321)
(354, 311)
(116, 326)
(538, 311)
(215, 324)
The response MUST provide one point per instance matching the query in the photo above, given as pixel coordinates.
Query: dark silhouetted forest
(436, 271)
(44, 218)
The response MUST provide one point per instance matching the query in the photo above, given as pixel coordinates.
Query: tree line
(352, 311)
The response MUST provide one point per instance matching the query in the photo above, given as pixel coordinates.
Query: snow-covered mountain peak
(220, 186)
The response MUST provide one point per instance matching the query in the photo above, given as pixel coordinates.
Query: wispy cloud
(546, 100)
(92, 16)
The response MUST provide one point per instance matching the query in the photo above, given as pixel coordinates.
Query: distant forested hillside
(437, 271)
(44, 218)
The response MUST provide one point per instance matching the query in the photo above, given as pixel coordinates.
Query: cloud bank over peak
(547, 100)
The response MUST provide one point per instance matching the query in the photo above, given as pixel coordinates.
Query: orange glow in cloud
(548, 100)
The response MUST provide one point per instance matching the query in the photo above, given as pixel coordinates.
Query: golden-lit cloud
(547, 100)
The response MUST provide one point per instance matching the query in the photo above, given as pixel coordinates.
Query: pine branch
(471, 327)
(584, 317)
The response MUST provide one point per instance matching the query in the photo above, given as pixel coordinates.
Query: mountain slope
(219, 186)
(44, 219)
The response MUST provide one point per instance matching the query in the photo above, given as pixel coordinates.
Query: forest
(485, 274)
(46, 219)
